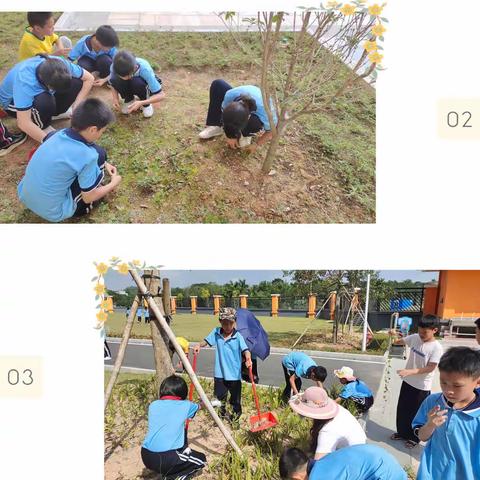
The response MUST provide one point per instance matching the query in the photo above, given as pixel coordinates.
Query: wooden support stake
(121, 351)
(154, 308)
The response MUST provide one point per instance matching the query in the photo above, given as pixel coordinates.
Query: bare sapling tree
(310, 59)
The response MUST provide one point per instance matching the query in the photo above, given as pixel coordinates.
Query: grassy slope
(325, 168)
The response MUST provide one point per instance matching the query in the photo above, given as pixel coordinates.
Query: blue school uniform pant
(101, 64)
(222, 388)
(218, 89)
(174, 464)
(409, 402)
(45, 106)
(127, 89)
(288, 388)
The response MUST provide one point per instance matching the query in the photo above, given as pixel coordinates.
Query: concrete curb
(285, 351)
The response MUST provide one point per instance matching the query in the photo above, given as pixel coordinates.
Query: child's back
(166, 424)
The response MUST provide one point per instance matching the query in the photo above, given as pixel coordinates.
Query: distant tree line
(294, 284)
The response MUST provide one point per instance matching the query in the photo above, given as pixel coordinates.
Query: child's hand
(115, 180)
(62, 52)
(99, 82)
(404, 373)
(135, 106)
(248, 363)
(196, 349)
(232, 143)
(437, 417)
(111, 169)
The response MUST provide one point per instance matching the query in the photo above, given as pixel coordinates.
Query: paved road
(140, 355)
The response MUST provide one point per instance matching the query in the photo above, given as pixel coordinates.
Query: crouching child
(65, 175)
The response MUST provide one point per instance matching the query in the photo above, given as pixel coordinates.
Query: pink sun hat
(314, 403)
(346, 373)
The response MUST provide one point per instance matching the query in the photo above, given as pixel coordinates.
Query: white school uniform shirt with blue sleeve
(144, 70)
(166, 424)
(357, 462)
(21, 84)
(228, 357)
(256, 94)
(299, 363)
(63, 158)
(453, 450)
(83, 48)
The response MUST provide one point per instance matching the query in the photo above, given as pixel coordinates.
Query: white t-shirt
(421, 353)
(343, 431)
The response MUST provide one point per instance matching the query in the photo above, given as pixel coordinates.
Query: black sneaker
(17, 139)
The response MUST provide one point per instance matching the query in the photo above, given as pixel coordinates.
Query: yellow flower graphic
(375, 57)
(375, 10)
(332, 4)
(114, 259)
(370, 46)
(123, 268)
(104, 305)
(102, 316)
(99, 288)
(102, 268)
(378, 30)
(136, 262)
(348, 9)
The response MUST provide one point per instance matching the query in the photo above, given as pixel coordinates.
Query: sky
(184, 278)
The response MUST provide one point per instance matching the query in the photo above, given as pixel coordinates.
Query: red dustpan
(262, 421)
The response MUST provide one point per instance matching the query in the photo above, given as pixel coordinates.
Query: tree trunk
(160, 341)
(271, 152)
(121, 350)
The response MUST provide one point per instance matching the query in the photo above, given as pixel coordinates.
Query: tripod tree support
(121, 351)
(161, 319)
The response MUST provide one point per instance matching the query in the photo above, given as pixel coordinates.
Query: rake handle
(254, 389)
(192, 386)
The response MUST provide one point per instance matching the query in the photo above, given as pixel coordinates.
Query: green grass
(168, 176)
(282, 331)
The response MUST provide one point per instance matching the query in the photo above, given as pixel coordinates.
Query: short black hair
(429, 321)
(174, 386)
(291, 461)
(55, 74)
(236, 114)
(463, 360)
(38, 19)
(477, 322)
(107, 36)
(317, 373)
(92, 112)
(124, 63)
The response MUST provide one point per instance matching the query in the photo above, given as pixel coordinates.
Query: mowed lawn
(325, 171)
(197, 327)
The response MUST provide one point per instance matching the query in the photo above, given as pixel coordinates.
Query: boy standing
(95, 53)
(450, 421)
(40, 37)
(230, 346)
(425, 353)
(64, 176)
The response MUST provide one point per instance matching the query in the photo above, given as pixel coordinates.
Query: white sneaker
(125, 107)
(148, 111)
(216, 403)
(63, 116)
(210, 132)
(244, 141)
